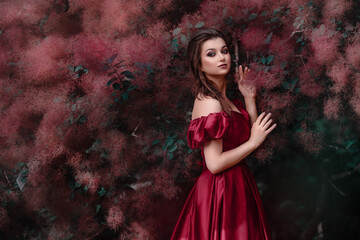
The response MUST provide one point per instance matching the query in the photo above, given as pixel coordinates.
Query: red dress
(227, 205)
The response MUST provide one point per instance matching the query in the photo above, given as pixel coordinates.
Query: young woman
(224, 203)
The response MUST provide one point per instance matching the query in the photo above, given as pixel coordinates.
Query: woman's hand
(260, 129)
(246, 87)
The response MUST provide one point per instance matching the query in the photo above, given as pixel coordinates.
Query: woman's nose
(222, 56)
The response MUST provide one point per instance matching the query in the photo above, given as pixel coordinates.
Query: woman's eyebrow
(214, 48)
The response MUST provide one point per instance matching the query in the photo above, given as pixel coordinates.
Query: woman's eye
(211, 54)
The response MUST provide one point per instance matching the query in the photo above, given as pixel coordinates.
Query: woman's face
(214, 53)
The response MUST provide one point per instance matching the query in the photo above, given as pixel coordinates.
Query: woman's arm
(218, 161)
(250, 103)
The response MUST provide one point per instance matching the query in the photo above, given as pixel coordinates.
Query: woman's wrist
(250, 99)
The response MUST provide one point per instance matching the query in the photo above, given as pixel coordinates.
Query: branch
(7, 179)
(345, 174)
(236, 56)
(133, 133)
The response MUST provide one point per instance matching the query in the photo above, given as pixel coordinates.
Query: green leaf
(294, 80)
(71, 68)
(285, 84)
(176, 31)
(252, 16)
(102, 192)
(169, 141)
(263, 14)
(97, 208)
(269, 59)
(180, 141)
(300, 38)
(77, 184)
(277, 10)
(263, 60)
(156, 141)
(111, 59)
(170, 155)
(183, 38)
(172, 148)
(111, 81)
(199, 24)
(77, 68)
(131, 88)
(82, 119)
(268, 39)
(297, 90)
(228, 20)
(128, 74)
(125, 96)
(116, 86)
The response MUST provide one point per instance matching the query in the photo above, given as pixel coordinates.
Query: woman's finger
(265, 119)
(260, 117)
(268, 123)
(241, 73)
(270, 129)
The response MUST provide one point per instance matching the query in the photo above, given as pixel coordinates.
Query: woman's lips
(223, 66)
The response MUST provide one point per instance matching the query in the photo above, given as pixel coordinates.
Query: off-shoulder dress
(227, 205)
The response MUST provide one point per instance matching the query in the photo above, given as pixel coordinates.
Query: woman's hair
(204, 86)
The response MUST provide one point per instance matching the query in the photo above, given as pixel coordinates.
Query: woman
(224, 202)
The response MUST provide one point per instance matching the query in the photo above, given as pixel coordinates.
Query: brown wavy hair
(203, 84)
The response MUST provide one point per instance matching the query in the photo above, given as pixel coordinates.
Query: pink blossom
(308, 73)
(355, 99)
(353, 54)
(59, 232)
(162, 5)
(324, 43)
(91, 51)
(339, 75)
(138, 232)
(42, 63)
(89, 180)
(253, 39)
(335, 8)
(164, 183)
(310, 141)
(281, 48)
(29, 11)
(157, 31)
(115, 218)
(332, 108)
(134, 47)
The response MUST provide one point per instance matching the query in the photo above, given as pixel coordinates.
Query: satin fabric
(227, 205)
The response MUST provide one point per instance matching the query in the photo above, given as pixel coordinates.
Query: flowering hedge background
(95, 101)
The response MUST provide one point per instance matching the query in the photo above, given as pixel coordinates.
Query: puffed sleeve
(207, 128)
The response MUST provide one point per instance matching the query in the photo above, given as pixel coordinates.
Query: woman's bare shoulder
(204, 105)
